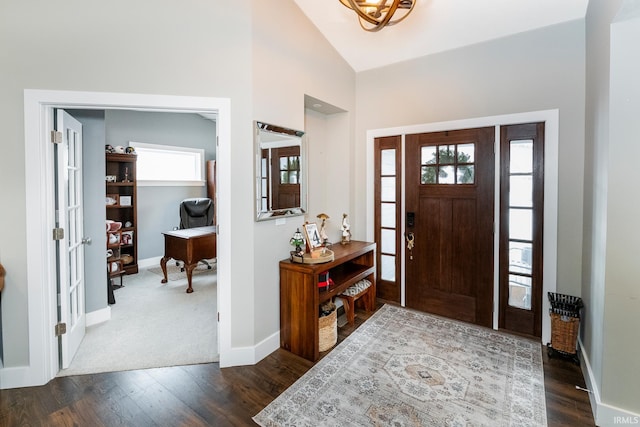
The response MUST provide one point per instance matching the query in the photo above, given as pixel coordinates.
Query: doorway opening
(131, 332)
(42, 302)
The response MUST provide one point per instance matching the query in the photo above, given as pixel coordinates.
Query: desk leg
(163, 265)
(189, 269)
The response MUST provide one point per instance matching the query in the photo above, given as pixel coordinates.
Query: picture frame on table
(312, 236)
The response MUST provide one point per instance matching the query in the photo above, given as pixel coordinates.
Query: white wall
(621, 347)
(291, 59)
(609, 288)
(599, 17)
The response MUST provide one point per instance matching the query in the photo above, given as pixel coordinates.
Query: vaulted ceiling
(433, 26)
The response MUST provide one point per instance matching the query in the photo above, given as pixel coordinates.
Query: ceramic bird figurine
(346, 233)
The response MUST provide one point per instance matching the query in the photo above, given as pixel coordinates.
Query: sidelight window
(520, 219)
(388, 176)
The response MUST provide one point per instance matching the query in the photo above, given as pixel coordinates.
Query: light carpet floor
(405, 368)
(153, 325)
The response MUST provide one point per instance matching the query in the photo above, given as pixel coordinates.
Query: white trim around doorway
(551, 118)
(41, 289)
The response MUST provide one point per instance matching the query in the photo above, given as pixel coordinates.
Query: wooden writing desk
(189, 246)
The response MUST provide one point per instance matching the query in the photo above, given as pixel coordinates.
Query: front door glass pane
(428, 156)
(447, 175)
(466, 153)
(446, 154)
(429, 175)
(466, 174)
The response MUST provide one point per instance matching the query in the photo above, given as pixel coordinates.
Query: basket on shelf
(565, 323)
(328, 326)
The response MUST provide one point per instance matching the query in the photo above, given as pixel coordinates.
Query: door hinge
(61, 329)
(218, 316)
(58, 233)
(56, 137)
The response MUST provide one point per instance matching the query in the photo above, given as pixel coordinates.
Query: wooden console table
(300, 296)
(189, 245)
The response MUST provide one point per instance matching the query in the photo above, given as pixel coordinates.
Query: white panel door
(71, 247)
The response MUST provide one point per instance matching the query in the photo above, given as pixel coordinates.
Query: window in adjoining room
(165, 165)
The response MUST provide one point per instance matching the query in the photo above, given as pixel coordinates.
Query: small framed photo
(312, 236)
(125, 200)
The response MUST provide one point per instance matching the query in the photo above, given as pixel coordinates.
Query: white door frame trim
(550, 238)
(41, 289)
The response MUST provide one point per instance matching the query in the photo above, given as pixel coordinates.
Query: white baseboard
(604, 415)
(243, 356)
(149, 262)
(267, 346)
(99, 316)
(18, 377)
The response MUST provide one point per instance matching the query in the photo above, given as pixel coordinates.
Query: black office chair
(196, 212)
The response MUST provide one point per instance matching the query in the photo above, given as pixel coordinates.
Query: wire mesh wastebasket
(565, 324)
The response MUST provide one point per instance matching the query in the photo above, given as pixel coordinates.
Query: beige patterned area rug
(406, 368)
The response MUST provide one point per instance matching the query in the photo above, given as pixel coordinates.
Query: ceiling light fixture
(376, 14)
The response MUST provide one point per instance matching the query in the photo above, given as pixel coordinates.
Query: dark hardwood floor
(205, 395)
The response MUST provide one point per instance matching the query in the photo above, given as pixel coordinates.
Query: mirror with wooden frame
(280, 172)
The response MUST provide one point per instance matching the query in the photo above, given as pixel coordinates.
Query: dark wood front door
(450, 220)
(286, 177)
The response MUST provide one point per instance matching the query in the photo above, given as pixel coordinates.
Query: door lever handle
(86, 240)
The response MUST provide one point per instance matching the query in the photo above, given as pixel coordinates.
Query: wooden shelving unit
(124, 242)
(300, 296)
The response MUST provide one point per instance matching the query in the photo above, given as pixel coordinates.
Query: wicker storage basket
(328, 336)
(564, 333)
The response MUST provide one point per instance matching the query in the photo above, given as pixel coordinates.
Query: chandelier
(376, 14)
